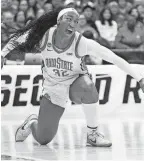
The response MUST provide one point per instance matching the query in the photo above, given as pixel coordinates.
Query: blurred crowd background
(116, 24)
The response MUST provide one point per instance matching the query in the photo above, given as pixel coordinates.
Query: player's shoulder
(50, 30)
(81, 45)
(77, 34)
(80, 37)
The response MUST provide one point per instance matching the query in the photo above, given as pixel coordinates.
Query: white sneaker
(96, 139)
(24, 130)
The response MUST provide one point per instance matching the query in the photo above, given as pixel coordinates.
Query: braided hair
(36, 30)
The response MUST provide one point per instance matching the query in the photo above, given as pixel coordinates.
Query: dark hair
(28, 20)
(88, 6)
(88, 34)
(130, 12)
(36, 30)
(48, 1)
(101, 18)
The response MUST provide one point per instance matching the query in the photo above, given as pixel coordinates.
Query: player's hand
(141, 82)
(2, 61)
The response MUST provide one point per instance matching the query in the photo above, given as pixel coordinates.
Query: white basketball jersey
(61, 66)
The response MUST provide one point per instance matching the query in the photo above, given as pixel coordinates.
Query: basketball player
(64, 74)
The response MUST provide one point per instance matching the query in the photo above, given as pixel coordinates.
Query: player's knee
(45, 137)
(90, 100)
(42, 141)
(90, 94)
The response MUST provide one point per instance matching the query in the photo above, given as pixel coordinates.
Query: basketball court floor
(124, 126)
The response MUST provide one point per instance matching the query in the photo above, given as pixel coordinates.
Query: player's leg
(49, 116)
(45, 126)
(83, 91)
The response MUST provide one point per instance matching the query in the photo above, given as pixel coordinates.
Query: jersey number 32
(60, 73)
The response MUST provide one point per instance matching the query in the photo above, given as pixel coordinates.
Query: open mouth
(69, 31)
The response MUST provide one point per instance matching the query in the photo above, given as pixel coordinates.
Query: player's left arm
(95, 49)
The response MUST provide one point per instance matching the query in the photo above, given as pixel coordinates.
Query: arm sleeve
(95, 49)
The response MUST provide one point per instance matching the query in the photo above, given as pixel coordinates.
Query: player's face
(68, 23)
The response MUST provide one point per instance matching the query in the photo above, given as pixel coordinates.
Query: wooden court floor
(125, 128)
(69, 144)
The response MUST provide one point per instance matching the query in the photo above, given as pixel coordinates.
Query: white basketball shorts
(58, 94)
